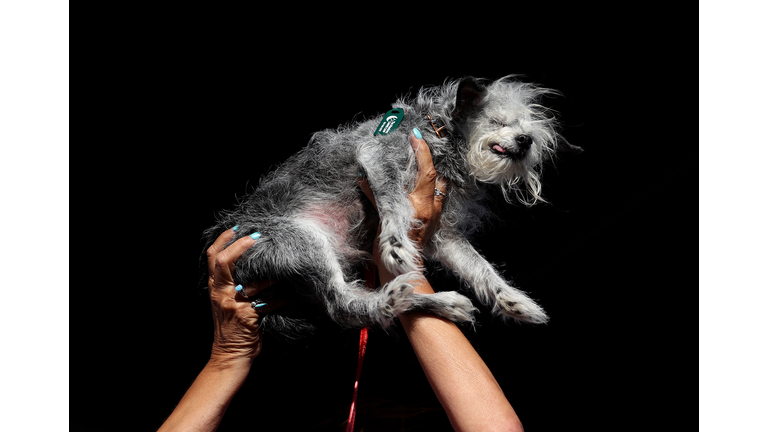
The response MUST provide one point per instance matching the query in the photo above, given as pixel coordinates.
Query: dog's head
(509, 134)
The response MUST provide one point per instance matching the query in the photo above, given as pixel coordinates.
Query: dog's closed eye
(498, 122)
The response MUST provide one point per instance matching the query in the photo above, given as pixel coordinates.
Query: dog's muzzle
(517, 151)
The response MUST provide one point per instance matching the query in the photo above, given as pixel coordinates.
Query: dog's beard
(516, 172)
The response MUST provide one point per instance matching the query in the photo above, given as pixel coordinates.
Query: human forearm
(204, 404)
(459, 377)
(462, 382)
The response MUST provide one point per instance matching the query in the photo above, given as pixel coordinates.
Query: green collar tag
(390, 121)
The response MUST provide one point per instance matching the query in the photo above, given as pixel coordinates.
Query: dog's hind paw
(396, 297)
(447, 304)
(519, 307)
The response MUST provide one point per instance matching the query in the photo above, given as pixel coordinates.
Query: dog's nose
(523, 141)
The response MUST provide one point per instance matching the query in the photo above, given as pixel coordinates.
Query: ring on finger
(257, 305)
(438, 192)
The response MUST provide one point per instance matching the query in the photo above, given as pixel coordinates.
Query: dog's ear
(469, 98)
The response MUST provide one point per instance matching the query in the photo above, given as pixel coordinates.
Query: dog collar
(437, 131)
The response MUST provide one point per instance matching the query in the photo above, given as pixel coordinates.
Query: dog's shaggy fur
(317, 225)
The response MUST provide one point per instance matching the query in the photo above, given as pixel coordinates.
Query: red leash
(370, 282)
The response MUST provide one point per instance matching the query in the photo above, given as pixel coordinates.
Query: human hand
(236, 340)
(236, 333)
(427, 202)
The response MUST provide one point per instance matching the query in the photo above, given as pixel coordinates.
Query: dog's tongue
(499, 148)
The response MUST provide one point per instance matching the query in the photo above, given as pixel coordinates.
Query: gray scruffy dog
(316, 222)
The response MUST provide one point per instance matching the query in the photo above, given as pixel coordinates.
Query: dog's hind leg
(446, 304)
(301, 247)
(455, 252)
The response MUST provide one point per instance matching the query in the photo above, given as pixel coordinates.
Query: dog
(317, 225)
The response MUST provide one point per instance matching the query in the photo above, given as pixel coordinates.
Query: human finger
(366, 187)
(266, 306)
(441, 191)
(218, 245)
(254, 288)
(426, 175)
(224, 261)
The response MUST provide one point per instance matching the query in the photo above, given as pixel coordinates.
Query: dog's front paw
(398, 256)
(516, 305)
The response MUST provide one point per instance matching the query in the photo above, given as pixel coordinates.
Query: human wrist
(222, 360)
(420, 287)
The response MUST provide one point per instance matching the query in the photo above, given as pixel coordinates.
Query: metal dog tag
(390, 121)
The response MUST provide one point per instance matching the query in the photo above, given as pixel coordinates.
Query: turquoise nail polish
(416, 133)
(255, 235)
(236, 227)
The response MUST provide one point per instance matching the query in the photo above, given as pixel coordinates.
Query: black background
(610, 259)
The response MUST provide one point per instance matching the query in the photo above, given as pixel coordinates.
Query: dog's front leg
(386, 173)
(384, 168)
(455, 252)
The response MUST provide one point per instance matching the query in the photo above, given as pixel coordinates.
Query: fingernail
(416, 133)
(255, 235)
(236, 227)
